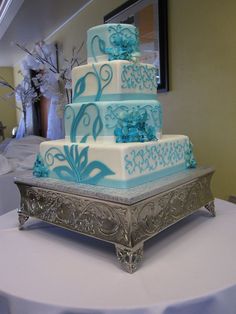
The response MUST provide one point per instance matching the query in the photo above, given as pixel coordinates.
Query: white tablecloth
(188, 269)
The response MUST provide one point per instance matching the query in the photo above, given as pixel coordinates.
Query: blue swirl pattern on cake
(91, 120)
(104, 75)
(75, 165)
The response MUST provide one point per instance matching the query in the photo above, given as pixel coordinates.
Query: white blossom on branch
(42, 59)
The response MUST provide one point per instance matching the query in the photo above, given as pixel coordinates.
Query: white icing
(102, 58)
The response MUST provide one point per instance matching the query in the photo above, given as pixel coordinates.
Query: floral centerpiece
(51, 81)
(25, 92)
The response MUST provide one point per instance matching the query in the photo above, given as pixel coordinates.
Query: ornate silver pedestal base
(211, 208)
(129, 258)
(22, 219)
(126, 218)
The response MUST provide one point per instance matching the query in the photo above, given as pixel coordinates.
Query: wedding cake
(113, 128)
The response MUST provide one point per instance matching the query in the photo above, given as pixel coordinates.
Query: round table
(188, 268)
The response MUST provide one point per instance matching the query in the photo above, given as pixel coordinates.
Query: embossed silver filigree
(126, 225)
(22, 219)
(129, 258)
(211, 208)
(104, 221)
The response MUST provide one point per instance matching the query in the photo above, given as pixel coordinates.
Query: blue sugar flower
(40, 170)
(132, 127)
(123, 44)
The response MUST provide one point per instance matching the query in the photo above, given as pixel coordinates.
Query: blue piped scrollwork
(149, 158)
(102, 77)
(139, 76)
(75, 165)
(90, 120)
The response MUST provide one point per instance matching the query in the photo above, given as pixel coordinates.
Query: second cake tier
(114, 80)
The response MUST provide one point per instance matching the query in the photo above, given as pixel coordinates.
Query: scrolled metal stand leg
(22, 218)
(129, 259)
(211, 208)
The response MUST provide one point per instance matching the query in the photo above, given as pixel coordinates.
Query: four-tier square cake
(113, 128)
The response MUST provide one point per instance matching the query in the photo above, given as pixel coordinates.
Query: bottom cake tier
(122, 165)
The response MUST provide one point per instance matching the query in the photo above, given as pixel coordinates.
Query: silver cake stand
(124, 217)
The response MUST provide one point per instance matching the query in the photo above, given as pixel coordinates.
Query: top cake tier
(112, 42)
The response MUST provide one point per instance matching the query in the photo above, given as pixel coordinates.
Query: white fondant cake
(113, 128)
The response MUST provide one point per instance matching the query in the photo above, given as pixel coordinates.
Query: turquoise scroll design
(89, 117)
(75, 165)
(96, 40)
(114, 113)
(149, 158)
(102, 77)
(139, 76)
(124, 44)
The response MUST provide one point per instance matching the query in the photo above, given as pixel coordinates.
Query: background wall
(202, 97)
(74, 33)
(7, 107)
(202, 59)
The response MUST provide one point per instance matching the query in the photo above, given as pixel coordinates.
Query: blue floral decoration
(132, 127)
(189, 157)
(75, 165)
(40, 170)
(153, 115)
(124, 43)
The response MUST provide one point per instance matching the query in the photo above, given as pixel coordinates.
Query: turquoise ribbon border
(120, 184)
(116, 97)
